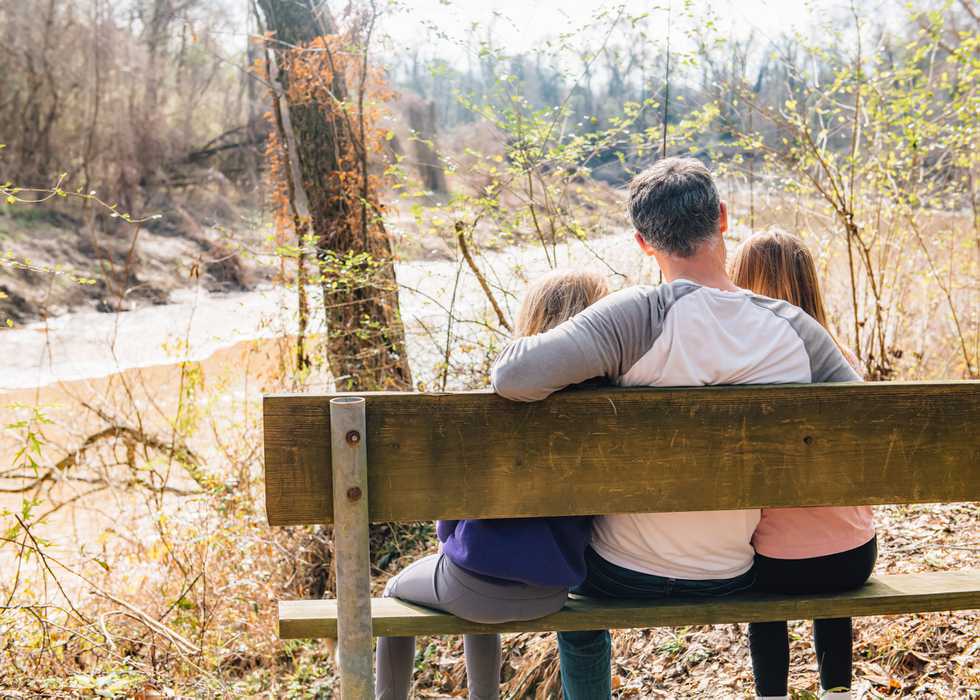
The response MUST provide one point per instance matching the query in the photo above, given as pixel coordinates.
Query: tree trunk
(365, 336)
(422, 120)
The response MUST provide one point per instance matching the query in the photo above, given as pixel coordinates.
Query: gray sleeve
(827, 362)
(605, 340)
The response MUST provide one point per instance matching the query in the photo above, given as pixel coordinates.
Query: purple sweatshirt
(538, 551)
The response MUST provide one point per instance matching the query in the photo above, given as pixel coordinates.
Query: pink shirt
(802, 533)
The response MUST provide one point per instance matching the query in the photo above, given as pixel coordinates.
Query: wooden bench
(610, 450)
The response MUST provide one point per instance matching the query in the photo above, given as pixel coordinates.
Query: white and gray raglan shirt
(677, 334)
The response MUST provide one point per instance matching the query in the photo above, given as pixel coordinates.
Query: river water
(196, 324)
(125, 364)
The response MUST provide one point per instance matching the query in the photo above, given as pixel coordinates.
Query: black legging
(769, 641)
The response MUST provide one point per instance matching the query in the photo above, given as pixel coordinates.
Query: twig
(449, 328)
(181, 452)
(44, 560)
(464, 249)
(105, 632)
(663, 148)
(181, 642)
(184, 592)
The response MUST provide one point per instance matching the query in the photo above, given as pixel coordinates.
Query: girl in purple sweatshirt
(496, 571)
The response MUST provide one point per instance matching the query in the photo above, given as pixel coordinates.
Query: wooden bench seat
(883, 595)
(399, 457)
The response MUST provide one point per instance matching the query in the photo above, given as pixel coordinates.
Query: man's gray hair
(674, 205)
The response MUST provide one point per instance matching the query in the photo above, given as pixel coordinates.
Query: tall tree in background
(422, 120)
(325, 77)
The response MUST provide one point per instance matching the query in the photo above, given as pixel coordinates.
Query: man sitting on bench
(698, 329)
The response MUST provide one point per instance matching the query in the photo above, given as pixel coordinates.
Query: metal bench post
(352, 547)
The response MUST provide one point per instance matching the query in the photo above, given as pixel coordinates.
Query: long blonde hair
(555, 298)
(777, 264)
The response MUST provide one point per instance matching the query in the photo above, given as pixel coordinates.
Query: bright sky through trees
(520, 25)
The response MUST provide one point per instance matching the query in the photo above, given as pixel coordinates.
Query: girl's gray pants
(437, 583)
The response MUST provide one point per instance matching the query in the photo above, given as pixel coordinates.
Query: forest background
(204, 201)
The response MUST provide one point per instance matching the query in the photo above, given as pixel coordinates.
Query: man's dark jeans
(586, 672)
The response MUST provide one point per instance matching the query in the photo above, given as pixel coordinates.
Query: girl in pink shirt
(802, 550)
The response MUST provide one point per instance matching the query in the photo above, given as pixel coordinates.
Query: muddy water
(128, 365)
(197, 324)
(83, 517)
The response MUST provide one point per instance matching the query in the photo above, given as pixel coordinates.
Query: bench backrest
(611, 450)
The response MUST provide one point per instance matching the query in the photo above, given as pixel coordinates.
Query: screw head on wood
(353, 437)
(354, 493)
(808, 440)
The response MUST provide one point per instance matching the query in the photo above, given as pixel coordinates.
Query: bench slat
(610, 450)
(883, 595)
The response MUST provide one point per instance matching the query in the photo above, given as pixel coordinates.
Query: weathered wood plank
(884, 595)
(352, 548)
(606, 450)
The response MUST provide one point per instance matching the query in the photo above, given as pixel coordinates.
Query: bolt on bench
(350, 459)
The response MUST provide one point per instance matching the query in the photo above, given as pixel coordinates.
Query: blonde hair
(777, 264)
(555, 298)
